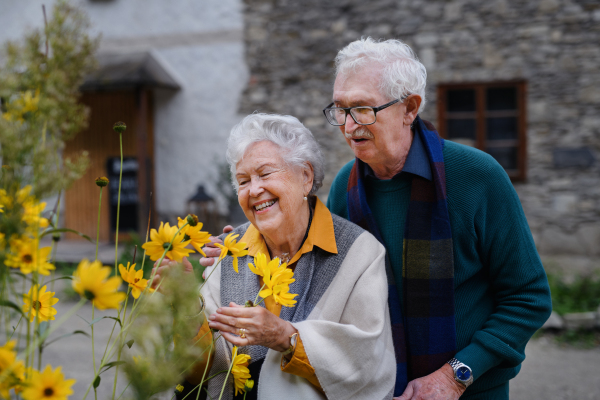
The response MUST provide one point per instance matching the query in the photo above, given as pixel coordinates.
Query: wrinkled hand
(213, 251)
(262, 326)
(161, 271)
(439, 385)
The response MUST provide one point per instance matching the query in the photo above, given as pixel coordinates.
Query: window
(490, 117)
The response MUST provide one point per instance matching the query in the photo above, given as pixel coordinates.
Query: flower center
(48, 392)
(27, 258)
(36, 305)
(167, 246)
(186, 237)
(88, 295)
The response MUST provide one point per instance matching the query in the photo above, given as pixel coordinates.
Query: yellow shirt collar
(321, 234)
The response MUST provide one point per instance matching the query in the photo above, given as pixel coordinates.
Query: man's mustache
(359, 133)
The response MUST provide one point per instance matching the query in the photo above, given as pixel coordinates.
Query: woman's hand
(161, 271)
(261, 327)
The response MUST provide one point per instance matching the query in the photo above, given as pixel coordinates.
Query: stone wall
(553, 45)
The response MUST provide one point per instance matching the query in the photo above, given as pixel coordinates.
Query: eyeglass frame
(347, 111)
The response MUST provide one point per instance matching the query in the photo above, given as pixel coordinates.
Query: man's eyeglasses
(362, 115)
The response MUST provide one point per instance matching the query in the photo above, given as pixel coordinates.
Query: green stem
(211, 272)
(227, 376)
(68, 314)
(118, 204)
(121, 339)
(98, 228)
(256, 299)
(15, 328)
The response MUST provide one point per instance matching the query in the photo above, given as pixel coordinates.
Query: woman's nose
(255, 188)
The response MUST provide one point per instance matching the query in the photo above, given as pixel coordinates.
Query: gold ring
(242, 332)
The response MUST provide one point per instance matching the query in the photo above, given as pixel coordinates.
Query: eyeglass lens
(362, 115)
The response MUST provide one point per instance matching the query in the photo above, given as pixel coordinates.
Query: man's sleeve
(517, 277)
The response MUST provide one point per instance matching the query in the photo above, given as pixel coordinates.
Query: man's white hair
(402, 72)
(297, 143)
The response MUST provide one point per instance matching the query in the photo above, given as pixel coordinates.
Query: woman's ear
(308, 175)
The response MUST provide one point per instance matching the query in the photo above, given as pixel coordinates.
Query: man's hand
(213, 251)
(439, 385)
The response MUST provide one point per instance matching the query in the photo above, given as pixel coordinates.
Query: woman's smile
(263, 207)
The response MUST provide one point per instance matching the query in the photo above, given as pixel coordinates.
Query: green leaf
(130, 343)
(44, 325)
(97, 382)
(67, 335)
(101, 318)
(49, 231)
(7, 303)
(58, 279)
(110, 365)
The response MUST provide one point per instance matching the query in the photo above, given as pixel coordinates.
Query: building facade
(516, 79)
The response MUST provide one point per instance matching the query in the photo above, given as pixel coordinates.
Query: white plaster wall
(200, 42)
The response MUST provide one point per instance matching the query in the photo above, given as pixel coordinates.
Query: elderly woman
(335, 342)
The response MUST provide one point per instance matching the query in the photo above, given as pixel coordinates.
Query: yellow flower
(39, 302)
(48, 385)
(25, 254)
(179, 388)
(11, 369)
(240, 370)
(261, 267)
(249, 385)
(196, 237)
(28, 102)
(31, 208)
(134, 278)
(90, 281)
(159, 241)
(2, 200)
(231, 248)
(277, 279)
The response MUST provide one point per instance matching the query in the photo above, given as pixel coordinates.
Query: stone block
(589, 235)
(554, 241)
(585, 320)
(564, 203)
(554, 322)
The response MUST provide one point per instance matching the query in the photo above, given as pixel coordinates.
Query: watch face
(463, 373)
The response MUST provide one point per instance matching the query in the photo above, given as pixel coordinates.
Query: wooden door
(102, 144)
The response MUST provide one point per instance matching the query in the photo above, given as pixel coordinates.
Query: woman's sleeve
(299, 365)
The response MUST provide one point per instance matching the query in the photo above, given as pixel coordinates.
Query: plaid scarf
(424, 334)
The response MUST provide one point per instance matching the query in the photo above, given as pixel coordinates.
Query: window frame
(480, 115)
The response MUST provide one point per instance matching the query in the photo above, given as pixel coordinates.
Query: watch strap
(292, 348)
(456, 364)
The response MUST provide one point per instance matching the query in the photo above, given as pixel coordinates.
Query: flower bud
(56, 237)
(249, 385)
(119, 127)
(192, 219)
(101, 181)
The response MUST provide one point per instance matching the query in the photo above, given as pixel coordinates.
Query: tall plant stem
(229, 371)
(118, 204)
(98, 227)
(93, 349)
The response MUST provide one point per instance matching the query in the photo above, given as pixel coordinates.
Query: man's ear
(413, 102)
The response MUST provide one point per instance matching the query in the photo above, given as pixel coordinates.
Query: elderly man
(466, 285)
(467, 288)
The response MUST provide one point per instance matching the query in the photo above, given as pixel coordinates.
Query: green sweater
(501, 290)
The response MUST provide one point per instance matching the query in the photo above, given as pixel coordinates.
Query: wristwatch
(292, 348)
(462, 372)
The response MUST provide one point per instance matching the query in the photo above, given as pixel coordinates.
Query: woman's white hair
(296, 141)
(402, 72)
